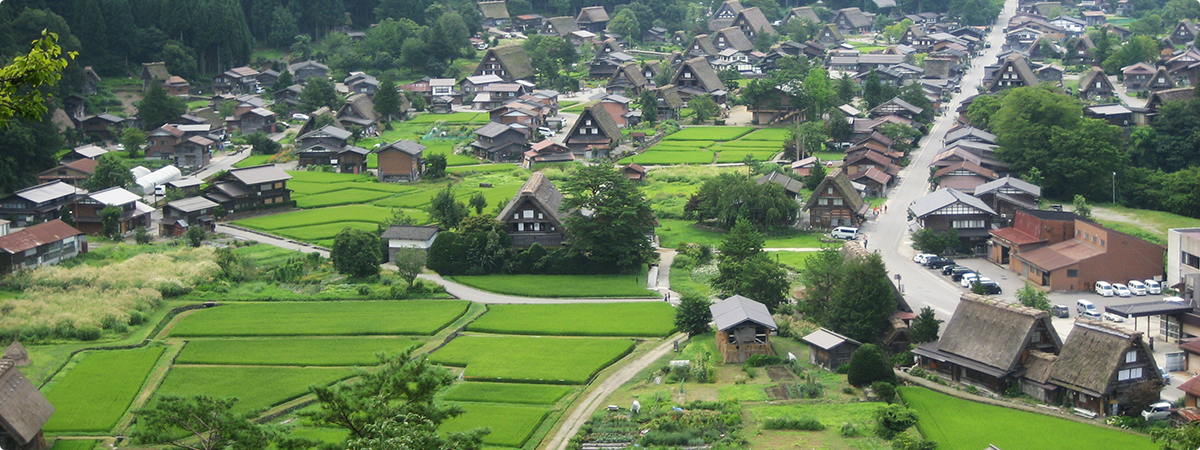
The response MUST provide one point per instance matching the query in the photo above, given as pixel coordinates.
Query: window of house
(540, 216)
(1129, 374)
(829, 190)
(968, 224)
(1189, 260)
(1072, 273)
(823, 201)
(520, 226)
(1130, 357)
(527, 214)
(1093, 239)
(588, 122)
(837, 202)
(1102, 243)
(31, 252)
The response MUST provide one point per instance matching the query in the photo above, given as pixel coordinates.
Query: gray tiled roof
(737, 309)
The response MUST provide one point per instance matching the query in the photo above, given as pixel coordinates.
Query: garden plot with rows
(706, 145)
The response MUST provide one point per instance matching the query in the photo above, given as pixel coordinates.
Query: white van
(1136, 287)
(1152, 287)
(1104, 289)
(850, 233)
(1082, 306)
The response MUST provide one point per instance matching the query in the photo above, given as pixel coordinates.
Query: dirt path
(584, 410)
(1101, 213)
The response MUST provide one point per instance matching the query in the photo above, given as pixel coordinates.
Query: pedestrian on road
(864, 241)
(884, 208)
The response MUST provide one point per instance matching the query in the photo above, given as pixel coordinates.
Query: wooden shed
(830, 350)
(744, 328)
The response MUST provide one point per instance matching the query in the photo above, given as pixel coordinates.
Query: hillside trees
(727, 197)
(157, 107)
(850, 296)
(744, 269)
(614, 235)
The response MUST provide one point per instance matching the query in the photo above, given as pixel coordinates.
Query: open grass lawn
(482, 168)
(457, 118)
(733, 156)
(554, 286)
(253, 160)
(1156, 223)
(324, 231)
(710, 133)
(349, 318)
(672, 232)
(958, 424)
(325, 177)
(254, 387)
(550, 360)
(292, 351)
(767, 134)
(341, 197)
(511, 425)
(795, 260)
(93, 395)
(524, 394)
(652, 157)
(832, 415)
(578, 319)
(74, 444)
(365, 213)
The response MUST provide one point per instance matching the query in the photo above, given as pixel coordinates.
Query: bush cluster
(788, 423)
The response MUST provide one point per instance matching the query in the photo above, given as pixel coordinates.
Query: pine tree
(387, 99)
(693, 316)
(157, 107)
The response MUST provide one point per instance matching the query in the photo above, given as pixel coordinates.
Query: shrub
(136, 317)
(788, 423)
(917, 372)
(141, 236)
(905, 441)
(750, 370)
(972, 390)
(87, 333)
(886, 391)
(763, 360)
(850, 430)
(868, 366)
(893, 419)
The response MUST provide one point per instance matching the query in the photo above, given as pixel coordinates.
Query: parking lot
(1010, 282)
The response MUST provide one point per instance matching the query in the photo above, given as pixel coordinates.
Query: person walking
(864, 241)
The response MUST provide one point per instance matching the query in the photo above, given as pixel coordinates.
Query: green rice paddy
(351, 351)
(548, 360)
(256, 388)
(525, 394)
(94, 394)
(347, 318)
(578, 319)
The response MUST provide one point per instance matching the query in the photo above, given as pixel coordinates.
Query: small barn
(830, 350)
(744, 328)
(23, 412)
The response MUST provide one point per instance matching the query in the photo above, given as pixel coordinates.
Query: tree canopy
(615, 232)
(727, 197)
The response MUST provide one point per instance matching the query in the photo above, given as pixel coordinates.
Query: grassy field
(366, 213)
(74, 444)
(458, 118)
(668, 157)
(340, 197)
(795, 260)
(672, 232)
(292, 351)
(767, 134)
(94, 394)
(536, 359)
(709, 133)
(326, 177)
(956, 424)
(314, 233)
(526, 394)
(734, 156)
(511, 425)
(578, 319)
(254, 387)
(555, 286)
(1139, 222)
(396, 317)
(482, 168)
(253, 160)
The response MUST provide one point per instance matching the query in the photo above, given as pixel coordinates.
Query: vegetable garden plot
(255, 388)
(93, 395)
(346, 318)
(531, 359)
(525, 394)
(578, 319)
(351, 351)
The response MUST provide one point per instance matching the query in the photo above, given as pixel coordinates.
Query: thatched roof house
(987, 341)
(17, 354)
(535, 214)
(23, 411)
(1099, 362)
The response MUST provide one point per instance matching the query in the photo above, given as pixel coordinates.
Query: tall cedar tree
(867, 365)
(435, 166)
(157, 107)
(387, 99)
(355, 252)
(318, 92)
(614, 235)
(446, 210)
(745, 270)
(648, 104)
(693, 316)
(392, 404)
(822, 274)
(863, 301)
(926, 326)
(110, 172)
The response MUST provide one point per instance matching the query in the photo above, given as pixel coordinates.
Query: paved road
(889, 233)
(223, 163)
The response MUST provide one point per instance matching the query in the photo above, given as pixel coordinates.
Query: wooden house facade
(830, 350)
(744, 329)
(836, 203)
(534, 215)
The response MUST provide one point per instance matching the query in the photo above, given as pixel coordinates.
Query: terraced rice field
(256, 388)
(93, 395)
(578, 319)
(511, 425)
(339, 351)
(526, 394)
(348, 318)
(531, 359)
(706, 145)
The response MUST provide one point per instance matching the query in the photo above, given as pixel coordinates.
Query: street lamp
(1114, 188)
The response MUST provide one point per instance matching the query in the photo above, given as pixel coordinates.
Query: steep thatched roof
(17, 354)
(541, 191)
(669, 96)
(23, 410)
(1093, 351)
(755, 19)
(803, 13)
(992, 332)
(841, 182)
(602, 118)
(1095, 81)
(493, 10)
(515, 60)
(1039, 366)
(631, 73)
(735, 38)
(703, 71)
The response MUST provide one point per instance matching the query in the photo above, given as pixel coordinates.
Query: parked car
(968, 278)
(1136, 287)
(1082, 306)
(957, 274)
(849, 233)
(947, 269)
(300, 117)
(939, 262)
(1166, 375)
(1158, 411)
(546, 132)
(1121, 290)
(1090, 315)
(1153, 287)
(923, 258)
(1060, 311)
(990, 287)
(1113, 317)
(1104, 289)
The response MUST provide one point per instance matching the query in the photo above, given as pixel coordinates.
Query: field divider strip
(150, 386)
